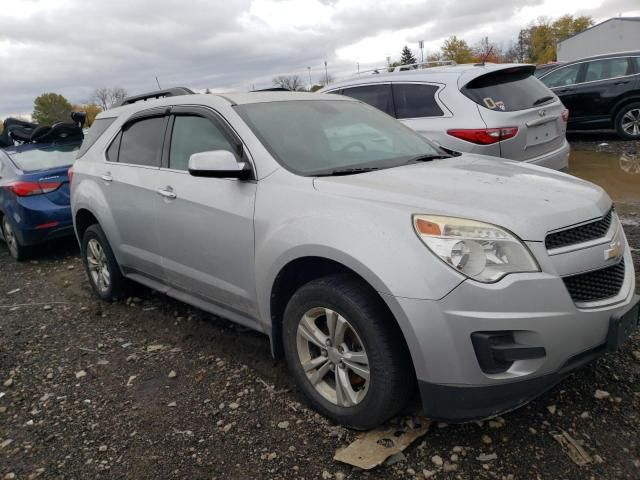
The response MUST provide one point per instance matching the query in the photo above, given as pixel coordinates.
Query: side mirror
(218, 164)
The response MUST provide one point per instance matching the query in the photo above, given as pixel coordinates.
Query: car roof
(463, 74)
(239, 98)
(631, 53)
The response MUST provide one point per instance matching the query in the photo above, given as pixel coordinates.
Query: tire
(101, 266)
(367, 327)
(18, 251)
(627, 122)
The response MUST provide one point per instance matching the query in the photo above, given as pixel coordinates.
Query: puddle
(617, 173)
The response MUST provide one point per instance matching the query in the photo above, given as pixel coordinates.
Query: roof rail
(168, 92)
(411, 66)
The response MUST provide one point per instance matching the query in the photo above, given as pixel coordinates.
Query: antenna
(486, 55)
(158, 83)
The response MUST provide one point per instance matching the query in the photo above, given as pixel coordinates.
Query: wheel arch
(301, 270)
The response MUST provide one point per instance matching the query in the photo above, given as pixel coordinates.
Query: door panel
(205, 226)
(129, 183)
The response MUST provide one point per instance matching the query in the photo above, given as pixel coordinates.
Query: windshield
(311, 137)
(45, 158)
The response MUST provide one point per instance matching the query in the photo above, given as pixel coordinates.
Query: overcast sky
(73, 46)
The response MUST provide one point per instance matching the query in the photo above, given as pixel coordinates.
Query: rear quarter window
(414, 100)
(378, 96)
(94, 133)
(508, 90)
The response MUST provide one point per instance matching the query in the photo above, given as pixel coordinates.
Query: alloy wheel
(98, 266)
(10, 237)
(333, 357)
(630, 122)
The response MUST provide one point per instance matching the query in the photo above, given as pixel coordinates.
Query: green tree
(457, 50)
(50, 108)
(538, 42)
(407, 57)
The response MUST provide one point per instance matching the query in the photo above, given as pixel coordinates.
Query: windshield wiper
(427, 158)
(542, 100)
(346, 171)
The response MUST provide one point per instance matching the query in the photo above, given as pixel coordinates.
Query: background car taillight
(70, 175)
(565, 116)
(484, 136)
(27, 189)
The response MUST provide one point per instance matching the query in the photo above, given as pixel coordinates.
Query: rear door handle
(107, 177)
(622, 82)
(167, 192)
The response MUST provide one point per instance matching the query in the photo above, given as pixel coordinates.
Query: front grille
(581, 234)
(597, 285)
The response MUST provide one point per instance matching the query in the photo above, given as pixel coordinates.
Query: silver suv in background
(373, 261)
(498, 110)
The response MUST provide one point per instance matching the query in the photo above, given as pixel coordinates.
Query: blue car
(34, 193)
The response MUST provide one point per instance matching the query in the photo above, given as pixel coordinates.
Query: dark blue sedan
(34, 194)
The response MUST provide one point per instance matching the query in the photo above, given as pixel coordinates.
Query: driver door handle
(107, 177)
(167, 192)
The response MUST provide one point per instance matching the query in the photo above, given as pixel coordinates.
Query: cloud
(73, 46)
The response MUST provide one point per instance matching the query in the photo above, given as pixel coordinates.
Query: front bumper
(535, 308)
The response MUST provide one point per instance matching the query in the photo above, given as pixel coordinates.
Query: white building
(618, 34)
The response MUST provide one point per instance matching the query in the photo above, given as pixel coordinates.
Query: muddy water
(617, 173)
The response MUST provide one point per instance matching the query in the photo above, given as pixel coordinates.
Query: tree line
(535, 44)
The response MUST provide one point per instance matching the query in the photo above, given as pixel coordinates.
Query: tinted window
(636, 61)
(191, 135)
(562, 77)
(44, 158)
(603, 69)
(114, 148)
(508, 90)
(97, 129)
(141, 142)
(378, 96)
(318, 137)
(414, 100)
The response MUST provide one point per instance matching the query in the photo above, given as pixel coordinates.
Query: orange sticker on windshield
(488, 101)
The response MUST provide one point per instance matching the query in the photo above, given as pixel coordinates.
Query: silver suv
(373, 261)
(498, 110)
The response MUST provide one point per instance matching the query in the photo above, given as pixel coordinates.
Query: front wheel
(627, 122)
(345, 352)
(101, 266)
(18, 251)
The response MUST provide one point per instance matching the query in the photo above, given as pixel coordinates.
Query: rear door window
(508, 90)
(413, 100)
(562, 77)
(194, 134)
(378, 96)
(141, 142)
(605, 69)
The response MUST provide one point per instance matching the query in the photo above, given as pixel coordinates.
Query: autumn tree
(289, 82)
(50, 108)
(90, 109)
(107, 98)
(457, 50)
(538, 42)
(407, 57)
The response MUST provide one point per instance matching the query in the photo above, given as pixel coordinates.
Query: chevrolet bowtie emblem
(615, 250)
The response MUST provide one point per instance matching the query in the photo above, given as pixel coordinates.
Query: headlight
(478, 250)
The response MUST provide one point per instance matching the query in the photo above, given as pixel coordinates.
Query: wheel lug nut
(340, 350)
(324, 353)
(327, 342)
(341, 365)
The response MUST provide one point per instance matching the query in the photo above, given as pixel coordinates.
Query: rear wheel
(101, 265)
(345, 353)
(627, 122)
(18, 251)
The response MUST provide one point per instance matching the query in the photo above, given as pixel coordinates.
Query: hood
(526, 199)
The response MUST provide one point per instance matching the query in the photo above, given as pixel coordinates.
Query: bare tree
(107, 98)
(289, 82)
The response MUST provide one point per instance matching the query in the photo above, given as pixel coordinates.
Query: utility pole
(309, 70)
(358, 64)
(326, 74)
(421, 44)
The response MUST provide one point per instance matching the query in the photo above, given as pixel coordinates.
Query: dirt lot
(150, 388)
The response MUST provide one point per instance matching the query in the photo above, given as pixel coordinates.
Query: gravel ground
(151, 388)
